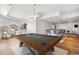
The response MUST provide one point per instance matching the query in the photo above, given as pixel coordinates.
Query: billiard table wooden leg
(21, 44)
(32, 51)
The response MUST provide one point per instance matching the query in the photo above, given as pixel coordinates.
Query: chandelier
(35, 12)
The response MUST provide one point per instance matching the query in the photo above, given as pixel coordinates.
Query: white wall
(69, 26)
(7, 22)
(38, 26)
(31, 26)
(42, 26)
(3, 21)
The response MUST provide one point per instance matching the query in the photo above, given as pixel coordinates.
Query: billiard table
(40, 42)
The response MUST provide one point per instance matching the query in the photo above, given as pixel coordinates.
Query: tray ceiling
(49, 12)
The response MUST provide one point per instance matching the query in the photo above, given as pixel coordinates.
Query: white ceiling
(49, 12)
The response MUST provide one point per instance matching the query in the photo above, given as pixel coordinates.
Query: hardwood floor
(5, 48)
(9, 46)
(70, 43)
